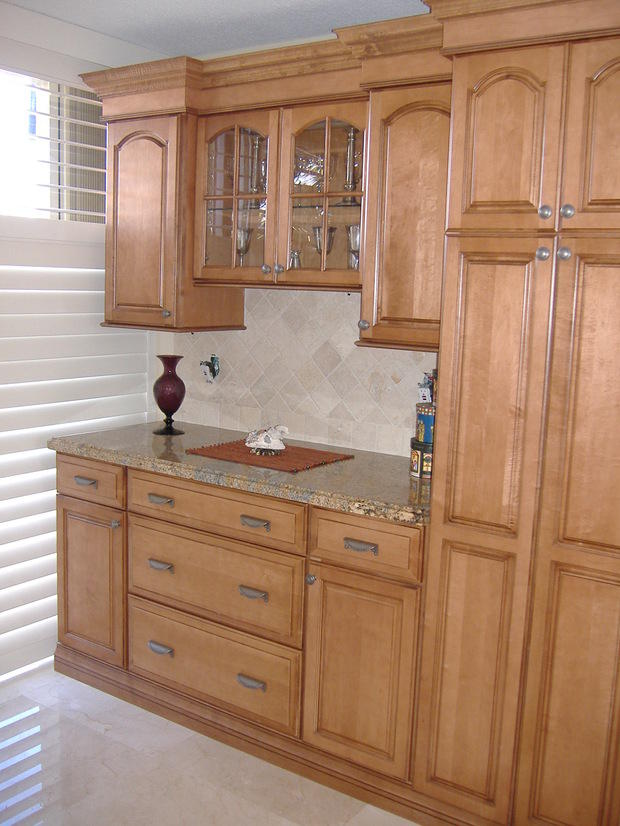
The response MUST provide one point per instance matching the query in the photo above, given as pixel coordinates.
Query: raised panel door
(404, 240)
(568, 765)
(361, 641)
(506, 119)
(91, 598)
(487, 436)
(591, 183)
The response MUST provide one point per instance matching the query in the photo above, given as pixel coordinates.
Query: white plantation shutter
(60, 372)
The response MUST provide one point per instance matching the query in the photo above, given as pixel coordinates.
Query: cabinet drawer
(257, 519)
(256, 589)
(95, 481)
(367, 544)
(258, 679)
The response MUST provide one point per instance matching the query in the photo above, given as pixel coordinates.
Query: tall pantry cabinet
(520, 666)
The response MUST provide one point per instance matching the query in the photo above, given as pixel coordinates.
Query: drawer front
(255, 589)
(94, 481)
(257, 679)
(250, 517)
(367, 544)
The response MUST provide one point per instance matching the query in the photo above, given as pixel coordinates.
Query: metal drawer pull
(158, 648)
(253, 522)
(360, 547)
(161, 500)
(250, 682)
(253, 593)
(85, 481)
(161, 566)
(115, 523)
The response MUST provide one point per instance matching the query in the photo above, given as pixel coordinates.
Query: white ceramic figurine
(268, 441)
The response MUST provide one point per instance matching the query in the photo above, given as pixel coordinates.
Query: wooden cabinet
(361, 642)
(149, 231)
(91, 601)
(271, 186)
(404, 239)
(487, 439)
(569, 749)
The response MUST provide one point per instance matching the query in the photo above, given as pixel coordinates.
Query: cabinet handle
(543, 253)
(545, 211)
(310, 579)
(253, 593)
(567, 210)
(85, 481)
(166, 313)
(157, 565)
(360, 547)
(253, 522)
(564, 253)
(250, 682)
(115, 523)
(278, 269)
(266, 269)
(158, 648)
(363, 324)
(161, 500)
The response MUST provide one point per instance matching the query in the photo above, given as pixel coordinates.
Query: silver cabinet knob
(545, 211)
(278, 269)
(166, 313)
(115, 523)
(266, 269)
(564, 253)
(567, 210)
(543, 253)
(310, 579)
(363, 324)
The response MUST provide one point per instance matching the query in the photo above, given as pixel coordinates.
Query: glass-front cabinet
(312, 235)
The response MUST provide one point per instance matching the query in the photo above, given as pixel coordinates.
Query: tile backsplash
(297, 364)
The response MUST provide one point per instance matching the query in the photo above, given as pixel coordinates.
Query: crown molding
(390, 37)
(155, 76)
(443, 9)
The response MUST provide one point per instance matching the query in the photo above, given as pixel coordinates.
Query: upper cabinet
(404, 240)
(279, 197)
(149, 230)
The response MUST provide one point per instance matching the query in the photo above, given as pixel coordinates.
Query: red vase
(169, 392)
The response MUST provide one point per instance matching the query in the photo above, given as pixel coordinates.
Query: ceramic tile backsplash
(297, 364)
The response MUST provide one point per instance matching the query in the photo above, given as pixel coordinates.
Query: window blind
(60, 372)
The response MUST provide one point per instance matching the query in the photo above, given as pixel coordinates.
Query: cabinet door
(91, 551)
(591, 183)
(235, 198)
(404, 241)
(506, 109)
(360, 654)
(568, 766)
(140, 228)
(487, 437)
(321, 196)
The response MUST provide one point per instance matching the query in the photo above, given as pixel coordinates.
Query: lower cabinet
(361, 636)
(91, 602)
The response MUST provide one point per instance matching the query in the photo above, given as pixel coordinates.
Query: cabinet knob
(278, 269)
(363, 324)
(564, 253)
(115, 523)
(545, 211)
(166, 313)
(310, 579)
(567, 210)
(543, 253)
(266, 269)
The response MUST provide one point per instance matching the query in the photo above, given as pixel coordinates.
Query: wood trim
(389, 37)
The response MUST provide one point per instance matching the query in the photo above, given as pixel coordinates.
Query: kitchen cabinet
(271, 186)
(404, 240)
(569, 749)
(483, 505)
(149, 231)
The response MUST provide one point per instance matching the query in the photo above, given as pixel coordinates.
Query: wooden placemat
(291, 460)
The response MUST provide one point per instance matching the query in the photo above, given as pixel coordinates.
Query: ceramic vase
(169, 392)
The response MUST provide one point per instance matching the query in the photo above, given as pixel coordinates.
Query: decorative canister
(420, 493)
(169, 392)
(425, 424)
(421, 464)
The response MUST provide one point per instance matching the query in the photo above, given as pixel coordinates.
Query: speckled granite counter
(372, 484)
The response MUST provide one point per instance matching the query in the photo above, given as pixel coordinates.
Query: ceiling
(203, 28)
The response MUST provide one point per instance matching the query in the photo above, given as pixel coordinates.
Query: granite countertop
(371, 484)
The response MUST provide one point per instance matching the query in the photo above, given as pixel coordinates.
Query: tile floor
(70, 754)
